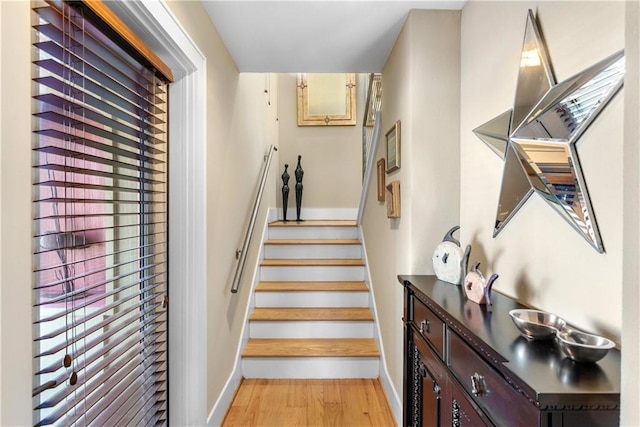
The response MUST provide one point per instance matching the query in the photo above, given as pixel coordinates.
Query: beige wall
(331, 155)
(15, 215)
(533, 252)
(631, 225)
(240, 127)
(536, 272)
(421, 89)
(540, 259)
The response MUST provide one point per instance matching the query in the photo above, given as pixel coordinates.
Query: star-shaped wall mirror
(537, 137)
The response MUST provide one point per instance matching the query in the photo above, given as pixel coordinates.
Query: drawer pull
(425, 326)
(422, 370)
(478, 385)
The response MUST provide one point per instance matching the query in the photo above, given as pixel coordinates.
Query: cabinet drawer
(429, 325)
(431, 360)
(461, 411)
(504, 404)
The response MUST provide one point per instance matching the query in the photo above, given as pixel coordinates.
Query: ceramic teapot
(477, 288)
(449, 260)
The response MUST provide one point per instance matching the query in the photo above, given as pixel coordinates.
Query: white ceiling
(313, 36)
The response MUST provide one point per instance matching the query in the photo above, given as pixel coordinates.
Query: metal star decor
(537, 138)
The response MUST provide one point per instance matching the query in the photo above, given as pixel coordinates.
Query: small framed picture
(381, 180)
(393, 147)
(392, 198)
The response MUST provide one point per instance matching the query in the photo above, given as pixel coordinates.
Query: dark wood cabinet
(463, 412)
(467, 365)
(428, 375)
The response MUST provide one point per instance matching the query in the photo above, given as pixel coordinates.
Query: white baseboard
(319, 213)
(395, 401)
(219, 410)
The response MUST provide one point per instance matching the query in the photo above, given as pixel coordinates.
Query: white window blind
(100, 223)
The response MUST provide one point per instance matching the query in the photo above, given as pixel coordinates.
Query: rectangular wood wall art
(392, 198)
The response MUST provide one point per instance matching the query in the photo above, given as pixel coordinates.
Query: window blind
(100, 221)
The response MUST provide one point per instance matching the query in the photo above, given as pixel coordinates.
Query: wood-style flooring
(321, 403)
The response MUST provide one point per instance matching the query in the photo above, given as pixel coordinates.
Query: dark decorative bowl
(581, 346)
(536, 324)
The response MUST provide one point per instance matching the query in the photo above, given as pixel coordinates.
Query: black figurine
(285, 192)
(299, 173)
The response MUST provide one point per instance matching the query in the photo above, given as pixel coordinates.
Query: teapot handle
(487, 288)
(449, 236)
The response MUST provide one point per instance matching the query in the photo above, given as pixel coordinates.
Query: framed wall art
(393, 147)
(326, 99)
(381, 180)
(392, 199)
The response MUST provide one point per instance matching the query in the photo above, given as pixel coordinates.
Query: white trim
(156, 25)
(311, 329)
(318, 213)
(394, 399)
(311, 367)
(308, 299)
(219, 410)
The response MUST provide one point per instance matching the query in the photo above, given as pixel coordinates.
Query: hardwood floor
(340, 403)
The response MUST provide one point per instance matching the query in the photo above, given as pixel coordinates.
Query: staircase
(311, 317)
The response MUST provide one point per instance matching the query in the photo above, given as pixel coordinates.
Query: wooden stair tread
(312, 242)
(289, 314)
(307, 347)
(311, 286)
(342, 262)
(315, 223)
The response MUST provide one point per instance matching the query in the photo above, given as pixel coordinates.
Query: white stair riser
(312, 299)
(317, 213)
(311, 367)
(313, 233)
(312, 251)
(310, 329)
(311, 274)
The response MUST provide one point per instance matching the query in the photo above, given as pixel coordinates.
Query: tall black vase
(285, 192)
(299, 172)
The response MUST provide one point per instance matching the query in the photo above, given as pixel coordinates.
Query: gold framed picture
(392, 198)
(326, 99)
(393, 147)
(381, 180)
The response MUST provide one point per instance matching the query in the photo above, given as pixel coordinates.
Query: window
(100, 221)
